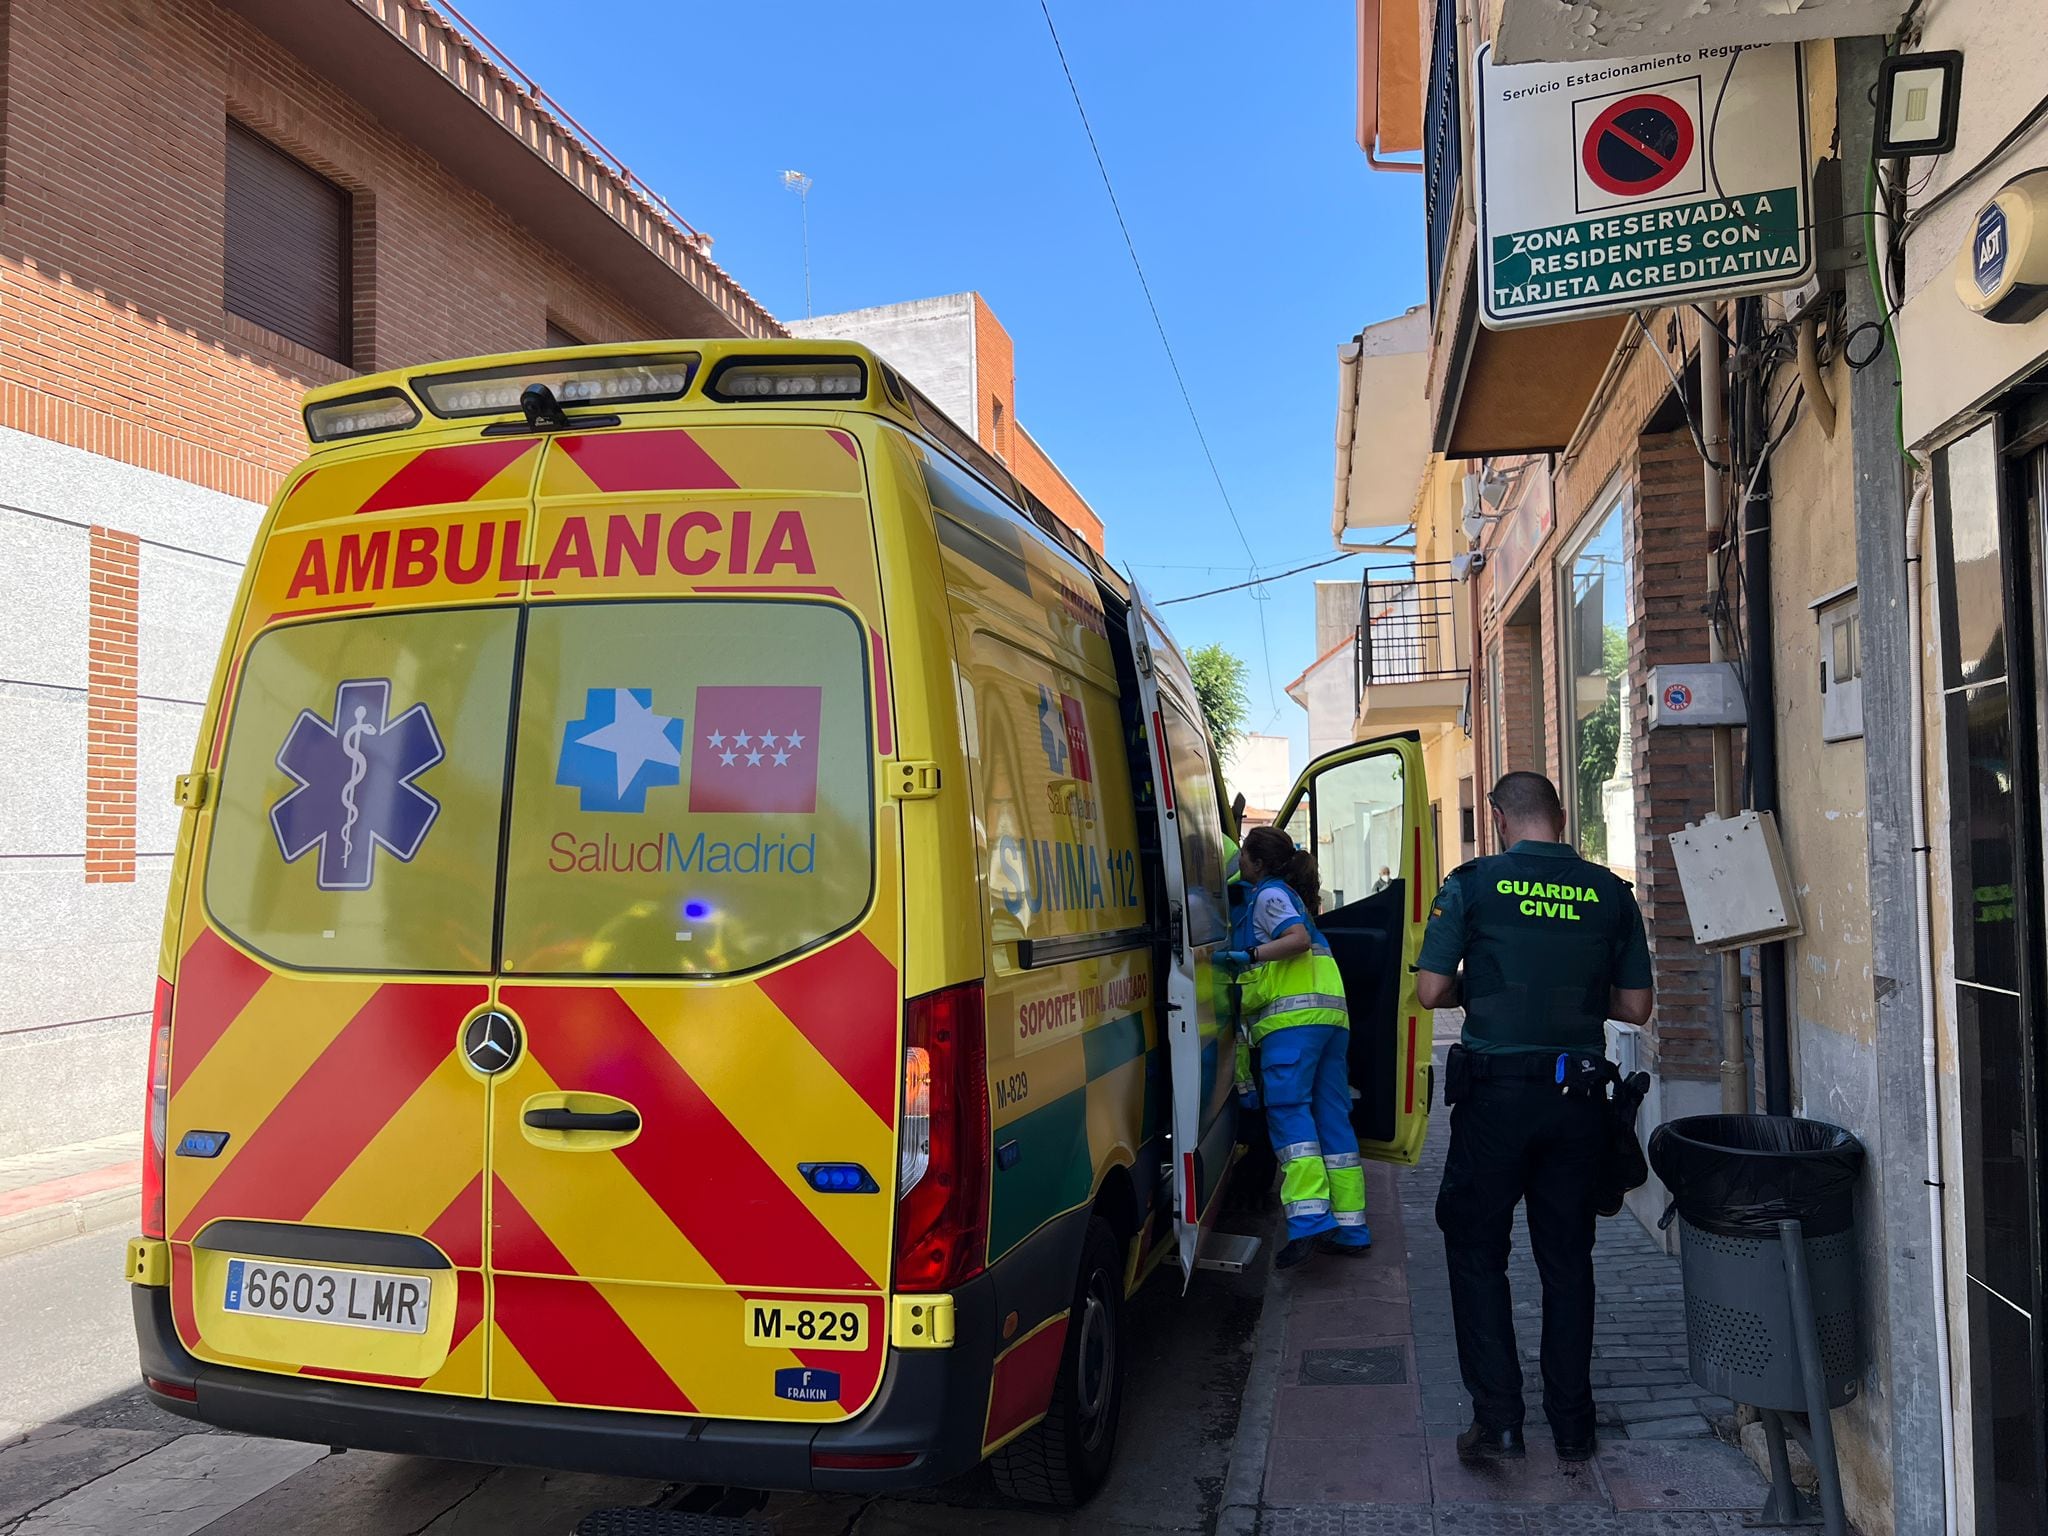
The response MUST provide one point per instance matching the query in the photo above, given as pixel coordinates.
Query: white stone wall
(1261, 768)
(78, 961)
(929, 341)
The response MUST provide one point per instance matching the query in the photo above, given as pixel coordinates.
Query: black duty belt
(1530, 1066)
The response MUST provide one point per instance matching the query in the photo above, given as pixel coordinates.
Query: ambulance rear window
(361, 798)
(690, 782)
(693, 792)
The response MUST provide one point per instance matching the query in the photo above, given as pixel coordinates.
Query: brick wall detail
(112, 184)
(1674, 771)
(1521, 687)
(995, 381)
(110, 707)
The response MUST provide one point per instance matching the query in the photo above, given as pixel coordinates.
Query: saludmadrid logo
(676, 853)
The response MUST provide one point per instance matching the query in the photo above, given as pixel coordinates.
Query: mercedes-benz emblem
(491, 1042)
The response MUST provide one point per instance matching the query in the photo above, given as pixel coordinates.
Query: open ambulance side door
(1200, 1051)
(1364, 812)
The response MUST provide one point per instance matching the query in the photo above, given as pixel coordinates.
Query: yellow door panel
(1360, 810)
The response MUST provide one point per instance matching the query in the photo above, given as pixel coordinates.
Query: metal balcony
(1411, 647)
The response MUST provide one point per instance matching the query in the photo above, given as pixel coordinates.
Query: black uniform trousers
(1512, 1140)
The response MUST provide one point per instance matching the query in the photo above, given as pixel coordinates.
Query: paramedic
(1294, 1004)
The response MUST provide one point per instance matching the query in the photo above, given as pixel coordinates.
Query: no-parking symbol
(1636, 145)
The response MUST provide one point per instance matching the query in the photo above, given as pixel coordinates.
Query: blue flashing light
(202, 1143)
(696, 910)
(839, 1178)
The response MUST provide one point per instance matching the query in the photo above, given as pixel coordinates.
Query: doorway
(1991, 488)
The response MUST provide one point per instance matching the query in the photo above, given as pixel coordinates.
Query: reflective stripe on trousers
(1308, 1113)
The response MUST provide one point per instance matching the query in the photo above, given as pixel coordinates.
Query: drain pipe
(1735, 1096)
(1930, 1056)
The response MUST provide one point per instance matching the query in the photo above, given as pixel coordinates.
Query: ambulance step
(1231, 1252)
(666, 1522)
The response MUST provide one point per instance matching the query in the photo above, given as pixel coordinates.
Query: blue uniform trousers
(1306, 1085)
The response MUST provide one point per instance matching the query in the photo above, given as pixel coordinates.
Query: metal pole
(1714, 432)
(804, 202)
(1820, 1426)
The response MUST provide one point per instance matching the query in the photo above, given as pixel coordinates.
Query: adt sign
(1988, 250)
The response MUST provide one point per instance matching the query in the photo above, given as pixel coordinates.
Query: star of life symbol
(355, 789)
(619, 750)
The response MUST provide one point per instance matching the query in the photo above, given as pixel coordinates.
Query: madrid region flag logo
(755, 750)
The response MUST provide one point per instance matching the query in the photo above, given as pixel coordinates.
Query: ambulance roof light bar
(498, 391)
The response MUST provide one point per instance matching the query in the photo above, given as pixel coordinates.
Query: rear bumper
(931, 1406)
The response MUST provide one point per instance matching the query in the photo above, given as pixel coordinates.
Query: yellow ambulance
(689, 950)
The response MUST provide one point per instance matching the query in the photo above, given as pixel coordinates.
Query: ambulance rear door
(1364, 812)
(693, 1159)
(1196, 921)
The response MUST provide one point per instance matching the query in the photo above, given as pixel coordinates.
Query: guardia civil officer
(1552, 947)
(1293, 999)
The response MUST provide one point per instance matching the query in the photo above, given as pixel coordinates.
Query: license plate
(353, 1298)
(807, 1325)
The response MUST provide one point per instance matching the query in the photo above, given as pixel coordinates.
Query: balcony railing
(1408, 626)
(1442, 156)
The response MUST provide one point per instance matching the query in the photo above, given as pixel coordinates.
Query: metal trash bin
(1767, 1222)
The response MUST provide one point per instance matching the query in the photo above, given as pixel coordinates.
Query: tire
(1065, 1458)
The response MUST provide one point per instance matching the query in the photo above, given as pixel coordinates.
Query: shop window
(1600, 756)
(287, 246)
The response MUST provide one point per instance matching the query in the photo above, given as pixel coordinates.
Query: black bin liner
(1740, 1175)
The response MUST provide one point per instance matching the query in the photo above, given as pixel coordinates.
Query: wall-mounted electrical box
(1841, 664)
(1703, 693)
(1737, 888)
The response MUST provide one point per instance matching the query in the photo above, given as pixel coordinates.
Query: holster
(1457, 1075)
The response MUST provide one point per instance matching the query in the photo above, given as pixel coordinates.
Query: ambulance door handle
(574, 1120)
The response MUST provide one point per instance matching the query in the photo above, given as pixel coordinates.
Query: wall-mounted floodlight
(1919, 96)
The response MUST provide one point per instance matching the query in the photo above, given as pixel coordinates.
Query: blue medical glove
(1236, 959)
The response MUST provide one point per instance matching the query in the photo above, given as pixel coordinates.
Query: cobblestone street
(1371, 1452)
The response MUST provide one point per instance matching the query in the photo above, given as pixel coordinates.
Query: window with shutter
(287, 246)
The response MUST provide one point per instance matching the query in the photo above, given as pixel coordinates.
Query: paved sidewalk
(1355, 1403)
(60, 1192)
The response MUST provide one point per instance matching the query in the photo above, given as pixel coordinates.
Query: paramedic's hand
(1235, 959)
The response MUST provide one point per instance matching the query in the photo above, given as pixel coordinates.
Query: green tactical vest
(1545, 933)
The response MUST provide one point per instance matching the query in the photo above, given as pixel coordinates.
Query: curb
(1244, 1480)
(25, 1231)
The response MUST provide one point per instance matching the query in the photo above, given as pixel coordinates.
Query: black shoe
(1295, 1251)
(1330, 1245)
(1575, 1447)
(1482, 1444)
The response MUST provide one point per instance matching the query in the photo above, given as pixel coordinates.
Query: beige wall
(1953, 360)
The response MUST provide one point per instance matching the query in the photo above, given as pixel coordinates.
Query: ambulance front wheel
(1066, 1457)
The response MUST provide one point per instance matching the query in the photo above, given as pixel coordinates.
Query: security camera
(1475, 523)
(1493, 487)
(1464, 567)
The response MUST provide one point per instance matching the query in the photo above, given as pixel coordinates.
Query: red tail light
(942, 1194)
(157, 1113)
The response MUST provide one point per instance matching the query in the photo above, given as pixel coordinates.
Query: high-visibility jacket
(1301, 989)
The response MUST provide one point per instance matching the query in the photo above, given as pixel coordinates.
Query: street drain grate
(666, 1522)
(1383, 1366)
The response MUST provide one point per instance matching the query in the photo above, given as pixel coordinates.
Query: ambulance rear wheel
(1066, 1457)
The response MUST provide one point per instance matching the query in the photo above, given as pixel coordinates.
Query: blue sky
(947, 155)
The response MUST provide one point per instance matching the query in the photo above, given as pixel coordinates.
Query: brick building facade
(144, 421)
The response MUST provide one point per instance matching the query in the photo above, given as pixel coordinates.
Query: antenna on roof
(800, 184)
